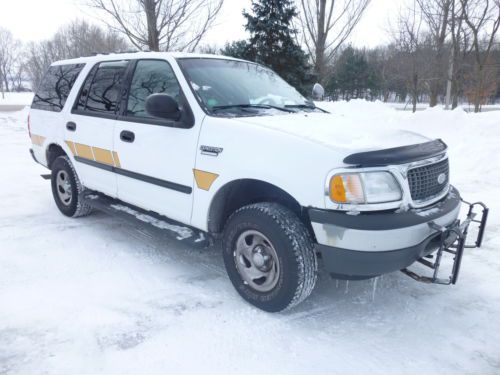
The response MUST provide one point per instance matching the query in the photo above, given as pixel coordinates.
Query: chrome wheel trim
(63, 187)
(256, 261)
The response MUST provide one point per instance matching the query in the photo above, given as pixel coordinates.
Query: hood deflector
(397, 155)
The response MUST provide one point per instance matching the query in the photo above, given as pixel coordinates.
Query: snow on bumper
(370, 244)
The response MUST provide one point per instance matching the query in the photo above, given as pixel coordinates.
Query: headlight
(364, 187)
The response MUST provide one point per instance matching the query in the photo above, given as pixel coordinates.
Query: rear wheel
(269, 256)
(66, 188)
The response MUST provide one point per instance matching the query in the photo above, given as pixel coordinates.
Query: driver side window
(150, 77)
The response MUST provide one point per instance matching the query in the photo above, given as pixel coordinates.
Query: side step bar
(452, 241)
(147, 219)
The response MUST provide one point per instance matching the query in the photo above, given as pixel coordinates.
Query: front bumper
(370, 244)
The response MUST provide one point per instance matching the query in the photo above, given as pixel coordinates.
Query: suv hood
(335, 131)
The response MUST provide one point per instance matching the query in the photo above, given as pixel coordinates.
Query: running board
(147, 219)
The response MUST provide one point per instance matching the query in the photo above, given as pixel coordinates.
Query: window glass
(82, 99)
(150, 77)
(55, 87)
(104, 93)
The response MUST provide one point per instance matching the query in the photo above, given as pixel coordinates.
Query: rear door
(90, 126)
(157, 156)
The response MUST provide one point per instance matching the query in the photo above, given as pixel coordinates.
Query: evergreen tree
(272, 41)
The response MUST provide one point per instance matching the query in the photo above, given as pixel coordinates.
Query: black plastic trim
(353, 264)
(386, 220)
(397, 155)
(138, 176)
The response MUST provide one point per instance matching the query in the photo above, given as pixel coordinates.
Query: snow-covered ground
(94, 295)
(16, 98)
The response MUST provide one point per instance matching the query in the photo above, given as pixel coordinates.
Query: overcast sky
(39, 19)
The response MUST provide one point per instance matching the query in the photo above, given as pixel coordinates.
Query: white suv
(207, 147)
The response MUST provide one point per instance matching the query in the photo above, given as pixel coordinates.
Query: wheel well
(239, 193)
(53, 151)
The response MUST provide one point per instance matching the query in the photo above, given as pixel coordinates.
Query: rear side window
(150, 77)
(56, 86)
(101, 91)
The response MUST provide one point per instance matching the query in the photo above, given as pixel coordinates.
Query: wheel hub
(257, 261)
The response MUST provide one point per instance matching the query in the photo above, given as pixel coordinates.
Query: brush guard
(453, 241)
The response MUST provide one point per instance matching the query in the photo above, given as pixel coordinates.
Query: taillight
(29, 126)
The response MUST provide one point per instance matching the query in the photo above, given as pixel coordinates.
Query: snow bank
(16, 98)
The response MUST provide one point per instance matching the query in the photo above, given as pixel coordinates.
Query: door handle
(127, 136)
(71, 126)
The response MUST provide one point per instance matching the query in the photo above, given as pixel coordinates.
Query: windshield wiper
(301, 106)
(265, 106)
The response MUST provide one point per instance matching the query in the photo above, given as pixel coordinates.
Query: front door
(90, 126)
(157, 156)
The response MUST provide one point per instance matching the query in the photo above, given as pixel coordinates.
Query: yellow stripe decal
(37, 140)
(84, 151)
(116, 159)
(204, 180)
(103, 156)
(71, 146)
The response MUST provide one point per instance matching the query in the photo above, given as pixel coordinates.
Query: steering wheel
(268, 100)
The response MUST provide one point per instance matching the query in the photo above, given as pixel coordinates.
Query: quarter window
(101, 91)
(150, 77)
(55, 87)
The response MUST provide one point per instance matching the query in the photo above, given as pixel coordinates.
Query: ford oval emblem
(441, 178)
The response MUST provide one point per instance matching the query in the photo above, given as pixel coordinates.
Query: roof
(138, 55)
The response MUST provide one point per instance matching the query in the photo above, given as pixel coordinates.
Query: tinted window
(55, 87)
(150, 77)
(102, 95)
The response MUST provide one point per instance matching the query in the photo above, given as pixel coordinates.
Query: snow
(16, 98)
(97, 296)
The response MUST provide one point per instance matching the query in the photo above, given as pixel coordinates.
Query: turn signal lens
(346, 188)
(364, 187)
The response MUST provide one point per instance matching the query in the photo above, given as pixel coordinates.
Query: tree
(436, 14)
(9, 51)
(76, 39)
(160, 24)
(408, 39)
(238, 49)
(353, 76)
(483, 19)
(272, 41)
(326, 25)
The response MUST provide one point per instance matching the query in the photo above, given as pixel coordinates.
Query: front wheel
(269, 256)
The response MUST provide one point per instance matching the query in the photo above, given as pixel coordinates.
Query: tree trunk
(151, 18)
(415, 92)
(319, 66)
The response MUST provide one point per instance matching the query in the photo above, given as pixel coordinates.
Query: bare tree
(9, 50)
(408, 40)
(436, 14)
(483, 19)
(326, 25)
(76, 39)
(160, 24)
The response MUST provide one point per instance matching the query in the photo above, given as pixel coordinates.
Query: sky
(39, 19)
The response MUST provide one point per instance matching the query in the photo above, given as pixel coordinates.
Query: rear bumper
(371, 244)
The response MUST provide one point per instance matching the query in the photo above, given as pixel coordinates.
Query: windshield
(240, 88)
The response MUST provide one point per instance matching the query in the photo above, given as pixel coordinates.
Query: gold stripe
(37, 140)
(116, 159)
(204, 180)
(84, 151)
(102, 156)
(71, 146)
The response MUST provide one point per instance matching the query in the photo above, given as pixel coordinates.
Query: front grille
(424, 183)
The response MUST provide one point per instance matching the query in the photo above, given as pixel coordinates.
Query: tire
(66, 188)
(258, 232)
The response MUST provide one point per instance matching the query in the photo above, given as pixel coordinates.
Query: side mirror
(318, 91)
(163, 106)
